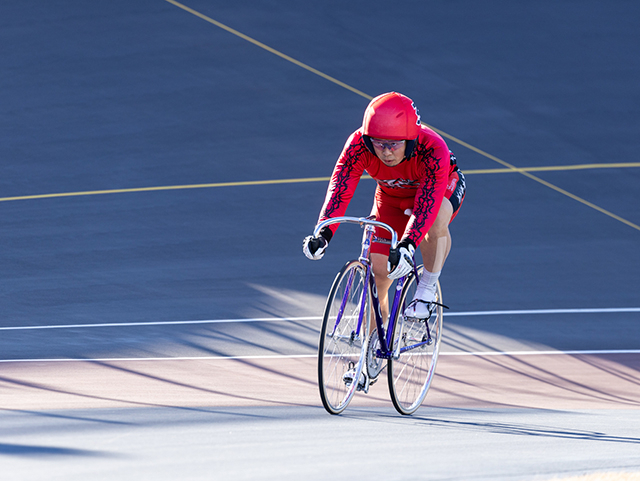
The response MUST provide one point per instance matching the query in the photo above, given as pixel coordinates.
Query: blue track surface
(117, 96)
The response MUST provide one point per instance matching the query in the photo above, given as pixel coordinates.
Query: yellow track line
(165, 187)
(369, 97)
(553, 168)
(524, 171)
(269, 49)
(543, 182)
(581, 200)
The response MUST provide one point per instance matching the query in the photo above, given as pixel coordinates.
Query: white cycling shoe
(373, 366)
(421, 307)
(348, 376)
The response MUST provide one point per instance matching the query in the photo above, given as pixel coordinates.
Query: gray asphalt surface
(115, 95)
(234, 443)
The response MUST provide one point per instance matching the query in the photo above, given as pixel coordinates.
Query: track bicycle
(352, 348)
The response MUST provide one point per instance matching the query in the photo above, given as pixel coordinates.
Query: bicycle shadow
(49, 451)
(521, 429)
(607, 379)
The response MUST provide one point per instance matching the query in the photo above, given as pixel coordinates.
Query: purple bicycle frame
(385, 338)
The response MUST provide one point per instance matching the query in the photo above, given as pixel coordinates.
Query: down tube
(393, 317)
(376, 310)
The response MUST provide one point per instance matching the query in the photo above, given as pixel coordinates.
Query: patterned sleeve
(344, 180)
(434, 169)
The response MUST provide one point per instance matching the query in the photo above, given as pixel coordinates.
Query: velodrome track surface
(158, 175)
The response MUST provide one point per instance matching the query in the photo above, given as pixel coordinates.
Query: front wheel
(418, 345)
(342, 336)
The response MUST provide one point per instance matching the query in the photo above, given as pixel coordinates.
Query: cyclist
(419, 192)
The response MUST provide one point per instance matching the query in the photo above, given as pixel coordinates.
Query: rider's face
(390, 157)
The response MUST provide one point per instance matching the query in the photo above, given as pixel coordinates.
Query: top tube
(362, 221)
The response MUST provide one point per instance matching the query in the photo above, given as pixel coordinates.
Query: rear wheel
(342, 336)
(411, 373)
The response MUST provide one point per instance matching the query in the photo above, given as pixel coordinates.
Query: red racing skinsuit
(418, 183)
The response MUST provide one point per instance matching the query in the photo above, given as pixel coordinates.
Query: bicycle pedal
(347, 378)
(416, 319)
(364, 383)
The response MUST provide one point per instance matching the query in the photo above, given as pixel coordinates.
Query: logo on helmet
(417, 112)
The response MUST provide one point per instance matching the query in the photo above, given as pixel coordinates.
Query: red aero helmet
(391, 116)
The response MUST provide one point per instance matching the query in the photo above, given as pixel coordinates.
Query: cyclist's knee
(379, 267)
(441, 224)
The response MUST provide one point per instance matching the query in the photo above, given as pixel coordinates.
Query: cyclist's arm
(434, 169)
(344, 180)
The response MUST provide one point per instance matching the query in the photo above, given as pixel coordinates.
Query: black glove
(314, 247)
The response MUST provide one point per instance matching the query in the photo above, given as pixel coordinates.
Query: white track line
(546, 311)
(302, 356)
(160, 323)
(316, 318)
(189, 358)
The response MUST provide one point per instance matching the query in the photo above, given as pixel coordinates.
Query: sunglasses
(387, 144)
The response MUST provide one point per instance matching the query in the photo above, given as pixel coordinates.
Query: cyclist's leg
(383, 283)
(434, 249)
(436, 246)
(437, 243)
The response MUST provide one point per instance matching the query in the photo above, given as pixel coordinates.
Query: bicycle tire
(411, 373)
(340, 348)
